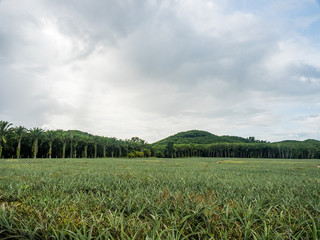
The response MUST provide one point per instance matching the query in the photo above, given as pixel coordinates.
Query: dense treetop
(202, 137)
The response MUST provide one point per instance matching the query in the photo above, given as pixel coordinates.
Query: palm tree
(113, 142)
(121, 144)
(86, 140)
(35, 135)
(5, 131)
(70, 136)
(19, 133)
(50, 136)
(104, 141)
(63, 138)
(76, 139)
(96, 141)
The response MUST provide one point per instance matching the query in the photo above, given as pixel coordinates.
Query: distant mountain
(308, 141)
(312, 141)
(200, 137)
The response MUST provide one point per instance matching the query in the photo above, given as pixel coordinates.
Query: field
(194, 198)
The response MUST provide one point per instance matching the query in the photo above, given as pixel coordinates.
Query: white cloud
(151, 69)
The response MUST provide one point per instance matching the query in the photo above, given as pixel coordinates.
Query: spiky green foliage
(76, 140)
(104, 141)
(5, 131)
(86, 140)
(49, 137)
(35, 134)
(160, 199)
(19, 133)
(64, 138)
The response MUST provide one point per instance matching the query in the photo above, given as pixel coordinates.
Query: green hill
(200, 137)
(312, 142)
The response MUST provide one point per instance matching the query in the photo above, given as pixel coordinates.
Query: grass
(193, 198)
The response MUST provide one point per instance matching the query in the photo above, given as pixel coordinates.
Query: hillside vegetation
(204, 144)
(19, 142)
(201, 137)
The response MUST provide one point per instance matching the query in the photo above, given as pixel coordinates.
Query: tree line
(293, 150)
(19, 142)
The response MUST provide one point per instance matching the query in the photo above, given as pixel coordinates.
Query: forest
(20, 142)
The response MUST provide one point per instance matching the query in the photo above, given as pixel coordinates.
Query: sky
(154, 68)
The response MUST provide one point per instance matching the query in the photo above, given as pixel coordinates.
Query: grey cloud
(163, 63)
(99, 22)
(19, 102)
(306, 70)
(298, 80)
(94, 23)
(176, 53)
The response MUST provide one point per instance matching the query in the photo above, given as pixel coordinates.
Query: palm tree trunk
(75, 150)
(86, 151)
(120, 152)
(50, 150)
(19, 148)
(104, 151)
(71, 149)
(64, 150)
(35, 148)
(95, 150)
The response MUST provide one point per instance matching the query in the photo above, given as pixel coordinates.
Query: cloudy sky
(154, 68)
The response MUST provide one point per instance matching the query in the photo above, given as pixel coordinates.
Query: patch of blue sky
(302, 17)
(290, 7)
(312, 31)
(307, 13)
(251, 6)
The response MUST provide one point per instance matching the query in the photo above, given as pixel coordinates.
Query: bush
(139, 154)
